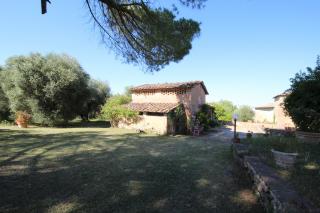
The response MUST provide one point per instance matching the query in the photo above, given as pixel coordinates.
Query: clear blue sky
(247, 51)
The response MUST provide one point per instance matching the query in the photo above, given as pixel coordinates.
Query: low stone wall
(308, 137)
(254, 127)
(275, 194)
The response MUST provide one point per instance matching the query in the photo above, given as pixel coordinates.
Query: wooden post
(235, 130)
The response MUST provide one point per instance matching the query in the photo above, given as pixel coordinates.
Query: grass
(305, 176)
(116, 170)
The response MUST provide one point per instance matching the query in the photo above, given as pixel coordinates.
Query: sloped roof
(152, 107)
(283, 94)
(166, 86)
(265, 106)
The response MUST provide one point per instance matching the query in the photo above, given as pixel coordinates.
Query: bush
(224, 110)
(303, 102)
(115, 111)
(207, 116)
(245, 113)
(177, 120)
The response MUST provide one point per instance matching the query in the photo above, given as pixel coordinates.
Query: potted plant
(22, 119)
(303, 104)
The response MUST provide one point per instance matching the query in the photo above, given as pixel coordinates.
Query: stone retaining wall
(308, 137)
(275, 194)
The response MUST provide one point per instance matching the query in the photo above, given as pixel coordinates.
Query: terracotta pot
(284, 159)
(308, 137)
(22, 124)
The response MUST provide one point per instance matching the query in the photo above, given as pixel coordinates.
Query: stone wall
(275, 194)
(281, 119)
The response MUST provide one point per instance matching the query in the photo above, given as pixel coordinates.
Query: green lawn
(115, 170)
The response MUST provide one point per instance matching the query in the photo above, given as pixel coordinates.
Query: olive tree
(51, 88)
(98, 93)
(4, 103)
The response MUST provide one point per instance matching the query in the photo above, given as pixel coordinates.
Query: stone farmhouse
(154, 102)
(274, 113)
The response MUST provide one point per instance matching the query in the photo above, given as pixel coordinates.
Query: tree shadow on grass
(94, 172)
(90, 124)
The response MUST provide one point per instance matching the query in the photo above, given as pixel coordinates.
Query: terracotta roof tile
(166, 86)
(287, 92)
(152, 107)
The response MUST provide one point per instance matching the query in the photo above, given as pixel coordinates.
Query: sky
(247, 50)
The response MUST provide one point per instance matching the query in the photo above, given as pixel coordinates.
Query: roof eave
(264, 107)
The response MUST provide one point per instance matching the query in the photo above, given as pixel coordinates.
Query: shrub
(224, 110)
(178, 120)
(303, 102)
(207, 116)
(115, 111)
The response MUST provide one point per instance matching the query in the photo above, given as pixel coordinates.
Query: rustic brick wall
(191, 98)
(156, 124)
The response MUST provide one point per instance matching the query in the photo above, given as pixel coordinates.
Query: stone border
(275, 194)
(284, 159)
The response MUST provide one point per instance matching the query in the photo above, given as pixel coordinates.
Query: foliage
(207, 116)
(4, 103)
(303, 102)
(114, 110)
(22, 117)
(98, 93)
(224, 110)
(52, 88)
(245, 113)
(127, 91)
(178, 120)
(144, 33)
